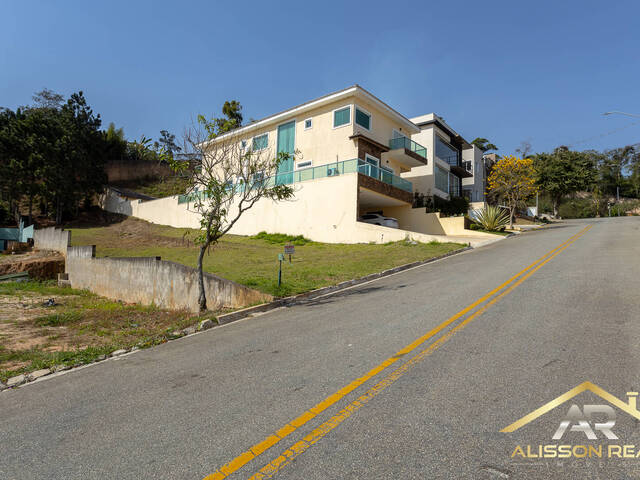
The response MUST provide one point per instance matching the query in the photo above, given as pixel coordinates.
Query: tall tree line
(53, 153)
(603, 174)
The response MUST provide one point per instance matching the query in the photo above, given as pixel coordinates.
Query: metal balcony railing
(404, 142)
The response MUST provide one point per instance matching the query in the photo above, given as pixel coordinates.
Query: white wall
(475, 183)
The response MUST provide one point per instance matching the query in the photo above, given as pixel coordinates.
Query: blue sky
(509, 71)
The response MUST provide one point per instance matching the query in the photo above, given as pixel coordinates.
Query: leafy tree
(115, 143)
(564, 172)
(46, 98)
(614, 166)
(232, 111)
(167, 143)
(225, 179)
(513, 179)
(484, 144)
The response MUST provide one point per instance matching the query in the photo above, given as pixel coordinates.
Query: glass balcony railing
(323, 171)
(450, 159)
(404, 142)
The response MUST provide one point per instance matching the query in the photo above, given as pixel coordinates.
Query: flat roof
(434, 119)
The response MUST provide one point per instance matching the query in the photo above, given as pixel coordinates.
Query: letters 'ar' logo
(580, 421)
(590, 419)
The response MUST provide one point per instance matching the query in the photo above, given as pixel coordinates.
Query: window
(305, 164)
(454, 185)
(244, 144)
(442, 179)
(363, 118)
(341, 117)
(445, 152)
(260, 142)
(308, 123)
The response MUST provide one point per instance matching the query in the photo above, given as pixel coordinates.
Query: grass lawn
(493, 232)
(253, 261)
(78, 329)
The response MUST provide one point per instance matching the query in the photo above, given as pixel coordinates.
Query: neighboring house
(446, 170)
(354, 155)
(21, 234)
(473, 187)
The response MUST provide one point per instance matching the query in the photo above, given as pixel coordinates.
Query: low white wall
(163, 211)
(323, 210)
(148, 281)
(52, 238)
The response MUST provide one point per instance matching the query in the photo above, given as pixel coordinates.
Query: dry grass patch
(78, 328)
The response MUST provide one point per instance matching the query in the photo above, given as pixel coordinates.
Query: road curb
(23, 380)
(287, 301)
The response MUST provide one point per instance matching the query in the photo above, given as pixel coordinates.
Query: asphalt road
(433, 410)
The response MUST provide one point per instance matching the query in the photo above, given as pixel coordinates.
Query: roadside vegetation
(253, 261)
(44, 326)
(158, 187)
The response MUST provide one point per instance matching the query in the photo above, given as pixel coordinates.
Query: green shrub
(447, 208)
(57, 319)
(578, 208)
(493, 219)
(281, 238)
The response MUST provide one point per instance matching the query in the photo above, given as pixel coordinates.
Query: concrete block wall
(52, 238)
(150, 280)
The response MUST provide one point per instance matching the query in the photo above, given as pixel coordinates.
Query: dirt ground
(19, 332)
(40, 264)
(42, 325)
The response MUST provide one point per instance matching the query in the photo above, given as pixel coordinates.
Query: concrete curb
(286, 301)
(34, 377)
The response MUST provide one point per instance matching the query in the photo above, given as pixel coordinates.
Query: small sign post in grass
(280, 259)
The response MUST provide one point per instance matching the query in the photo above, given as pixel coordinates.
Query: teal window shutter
(363, 119)
(342, 117)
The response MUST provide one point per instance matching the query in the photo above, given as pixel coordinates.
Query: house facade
(351, 154)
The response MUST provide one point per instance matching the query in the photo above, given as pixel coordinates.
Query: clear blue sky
(509, 70)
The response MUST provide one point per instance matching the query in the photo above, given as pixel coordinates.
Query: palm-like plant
(491, 218)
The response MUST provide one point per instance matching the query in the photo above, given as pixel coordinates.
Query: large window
(442, 179)
(446, 152)
(260, 142)
(454, 185)
(341, 117)
(363, 118)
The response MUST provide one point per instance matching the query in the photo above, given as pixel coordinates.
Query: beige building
(354, 155)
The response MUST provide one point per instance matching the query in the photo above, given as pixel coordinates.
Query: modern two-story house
(354, 155)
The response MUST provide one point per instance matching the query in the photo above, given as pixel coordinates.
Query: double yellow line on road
(271, 468)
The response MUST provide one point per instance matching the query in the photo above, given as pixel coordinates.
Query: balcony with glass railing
(408, 144)
(355, 165)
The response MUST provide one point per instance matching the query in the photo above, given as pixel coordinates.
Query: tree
(564, 172)
(513, 179)
(115, 143)
(225, 179)
(46, 98)
(525, 149)
(167, 143)
(614, 166)
(484, 144)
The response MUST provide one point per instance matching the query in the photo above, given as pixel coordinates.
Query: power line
(602, 135)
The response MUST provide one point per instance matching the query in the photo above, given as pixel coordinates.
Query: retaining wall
(52, 238)
(120, 170)
(149, 280)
